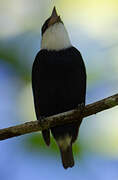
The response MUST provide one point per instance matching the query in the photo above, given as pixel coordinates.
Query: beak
(54, 12)
(54, 18)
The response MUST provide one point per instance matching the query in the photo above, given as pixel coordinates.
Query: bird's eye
(45, 26)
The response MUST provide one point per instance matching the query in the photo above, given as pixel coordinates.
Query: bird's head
(54, 34)
(54, 18)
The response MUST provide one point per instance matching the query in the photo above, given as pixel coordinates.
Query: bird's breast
(58, 69)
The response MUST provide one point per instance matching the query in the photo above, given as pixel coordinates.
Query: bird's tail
(65, 146)
(67, 157)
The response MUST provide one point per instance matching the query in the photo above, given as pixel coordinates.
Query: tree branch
(59, 119)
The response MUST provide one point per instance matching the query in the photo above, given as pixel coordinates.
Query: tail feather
(46, 136)
(67, 157)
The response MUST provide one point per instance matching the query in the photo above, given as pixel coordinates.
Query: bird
(58, 84)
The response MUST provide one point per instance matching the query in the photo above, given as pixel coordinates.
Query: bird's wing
(36, 93)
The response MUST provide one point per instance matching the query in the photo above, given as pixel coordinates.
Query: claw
(41, 119)
(81, 106)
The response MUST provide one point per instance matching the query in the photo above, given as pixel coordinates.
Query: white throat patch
(55, 38)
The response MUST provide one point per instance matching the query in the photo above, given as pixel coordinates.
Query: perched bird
(59, 83)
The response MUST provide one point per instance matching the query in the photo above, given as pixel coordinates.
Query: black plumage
(59, 85)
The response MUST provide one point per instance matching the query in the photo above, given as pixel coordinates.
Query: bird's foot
(81, 107)
(41, 119)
